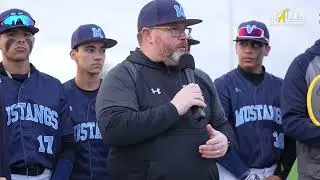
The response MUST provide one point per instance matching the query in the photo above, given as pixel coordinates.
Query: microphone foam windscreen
(186, 61)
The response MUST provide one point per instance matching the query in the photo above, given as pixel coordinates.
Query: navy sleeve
(288, 156)
(296, 121)
(65, 115)
(231, 161)
(224, 96)
(218, 119)
(119, 118)
(63, 168)
(4, 162)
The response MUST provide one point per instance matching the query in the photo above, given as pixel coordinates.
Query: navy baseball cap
(253, 30)
(192, 41)
(17, 18)
(90, 32)
(161, 12)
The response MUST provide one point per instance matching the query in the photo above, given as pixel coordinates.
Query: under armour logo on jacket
(157, 91)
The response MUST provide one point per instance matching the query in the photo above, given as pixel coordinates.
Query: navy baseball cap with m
(90, 32)
(161, 12)
(17, 18)
(253, 30)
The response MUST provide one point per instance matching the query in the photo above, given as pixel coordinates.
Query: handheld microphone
(186, 63)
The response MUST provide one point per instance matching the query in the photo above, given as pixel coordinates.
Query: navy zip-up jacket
(296, 121)
(255, 115)
(232, 161)
(149, 141)
(91, 154)
(36, 120)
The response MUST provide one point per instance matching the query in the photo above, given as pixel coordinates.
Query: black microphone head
(186, 61)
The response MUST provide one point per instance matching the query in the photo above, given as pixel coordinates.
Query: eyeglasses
(253, 32)
(20, 19)
(175, 31)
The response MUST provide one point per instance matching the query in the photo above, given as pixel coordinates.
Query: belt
(33, 170)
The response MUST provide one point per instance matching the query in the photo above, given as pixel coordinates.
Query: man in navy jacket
(296, 122)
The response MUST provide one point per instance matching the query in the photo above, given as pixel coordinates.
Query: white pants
(46, 175)
(224, 174)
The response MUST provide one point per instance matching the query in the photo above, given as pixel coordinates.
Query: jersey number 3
(48, 140)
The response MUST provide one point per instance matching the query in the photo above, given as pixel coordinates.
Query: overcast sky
(57, 19)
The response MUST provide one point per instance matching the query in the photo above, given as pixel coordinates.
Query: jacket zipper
(20, 125)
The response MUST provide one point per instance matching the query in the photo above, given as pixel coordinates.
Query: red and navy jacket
(91, 153)
(36, 118)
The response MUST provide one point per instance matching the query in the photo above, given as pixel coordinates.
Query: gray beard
(174, 58)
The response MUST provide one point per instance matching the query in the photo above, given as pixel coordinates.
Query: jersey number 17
(48, 140)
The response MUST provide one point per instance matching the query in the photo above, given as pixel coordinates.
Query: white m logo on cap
(179, 10)
(97, 33)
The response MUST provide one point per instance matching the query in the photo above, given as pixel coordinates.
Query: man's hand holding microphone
(190, 96)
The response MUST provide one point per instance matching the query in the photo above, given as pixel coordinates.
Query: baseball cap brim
(193, 42)
(252, 39)
(191, 22)
(31, 29)
(109, 43)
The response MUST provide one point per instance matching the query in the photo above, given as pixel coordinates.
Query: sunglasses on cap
(20, 19)
(251, 32)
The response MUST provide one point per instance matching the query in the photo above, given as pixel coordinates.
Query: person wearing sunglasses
(40, 132)
(251, 100)
(88, 51)
(144, 106)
